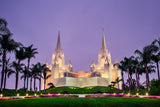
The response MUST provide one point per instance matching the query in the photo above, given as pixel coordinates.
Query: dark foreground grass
(81, 102)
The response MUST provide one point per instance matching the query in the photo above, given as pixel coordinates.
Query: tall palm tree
(45, 69)
(35, 72)
(20, 55)
(30, 53)
(24, 75)
(16, 68)
(137, 66)
(122, 68)
(117, 81)
(7, 45)
(156, 57)
(145, 57)
(7, 69)
(40, 68)
(128, 67)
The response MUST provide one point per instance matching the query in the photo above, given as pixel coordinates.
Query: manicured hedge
(77, 90)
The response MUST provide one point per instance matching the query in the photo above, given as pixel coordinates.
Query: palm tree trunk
(5, 78)
(28, 73)
(137, 79)
(34, 84)
(122, 81)
(31, 84)
(147, 78)
(3, 67)
(24, 82)
(39, 84)
(129, 80)
(17, 75)
(44, 84)
(118, 87)
(158, 73)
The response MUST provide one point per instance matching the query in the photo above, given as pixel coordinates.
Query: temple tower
(58, 62)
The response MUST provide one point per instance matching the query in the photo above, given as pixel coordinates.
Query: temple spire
(46, 63)
(58, 42)
(93, 63)
(70, 62)
(103, 41)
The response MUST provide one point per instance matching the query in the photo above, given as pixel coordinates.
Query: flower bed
(73, 95)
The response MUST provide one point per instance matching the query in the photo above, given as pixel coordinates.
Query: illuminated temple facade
(100, 74)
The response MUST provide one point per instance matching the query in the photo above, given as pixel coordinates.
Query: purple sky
(128, 25)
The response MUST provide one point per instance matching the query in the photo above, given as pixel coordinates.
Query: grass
(79, 102)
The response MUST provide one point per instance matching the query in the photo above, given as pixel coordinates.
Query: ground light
(1, 95)
(128, 94)
(18, 95)
(146, 94)
(35, 94)
(137, 94)
(26, 95)
(104, 93)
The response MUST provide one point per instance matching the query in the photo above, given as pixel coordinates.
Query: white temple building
(100, 74)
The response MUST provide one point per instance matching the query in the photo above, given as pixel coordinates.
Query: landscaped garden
(131, 93)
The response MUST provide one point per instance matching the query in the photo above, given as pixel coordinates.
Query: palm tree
(16, 68)
(7, 45)
(24, 75)
(51, 85)
(113, 83)
(145, 56)
(3, 27)
(7, 69)
(117, 81)
(30, 53)
(110, 86)
(35, 71)
(128, 67)
(40, 68)
(136, 66)
(156, 57)
(45, 69)
(122, 68)
(20, 55)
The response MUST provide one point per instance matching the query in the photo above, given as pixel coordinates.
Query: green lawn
(82, 102)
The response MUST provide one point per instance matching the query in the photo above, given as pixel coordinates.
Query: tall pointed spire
(58, 42)
(93, 62)
(46, 63)
(70, 66)
(103, 41)
(70, 62)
